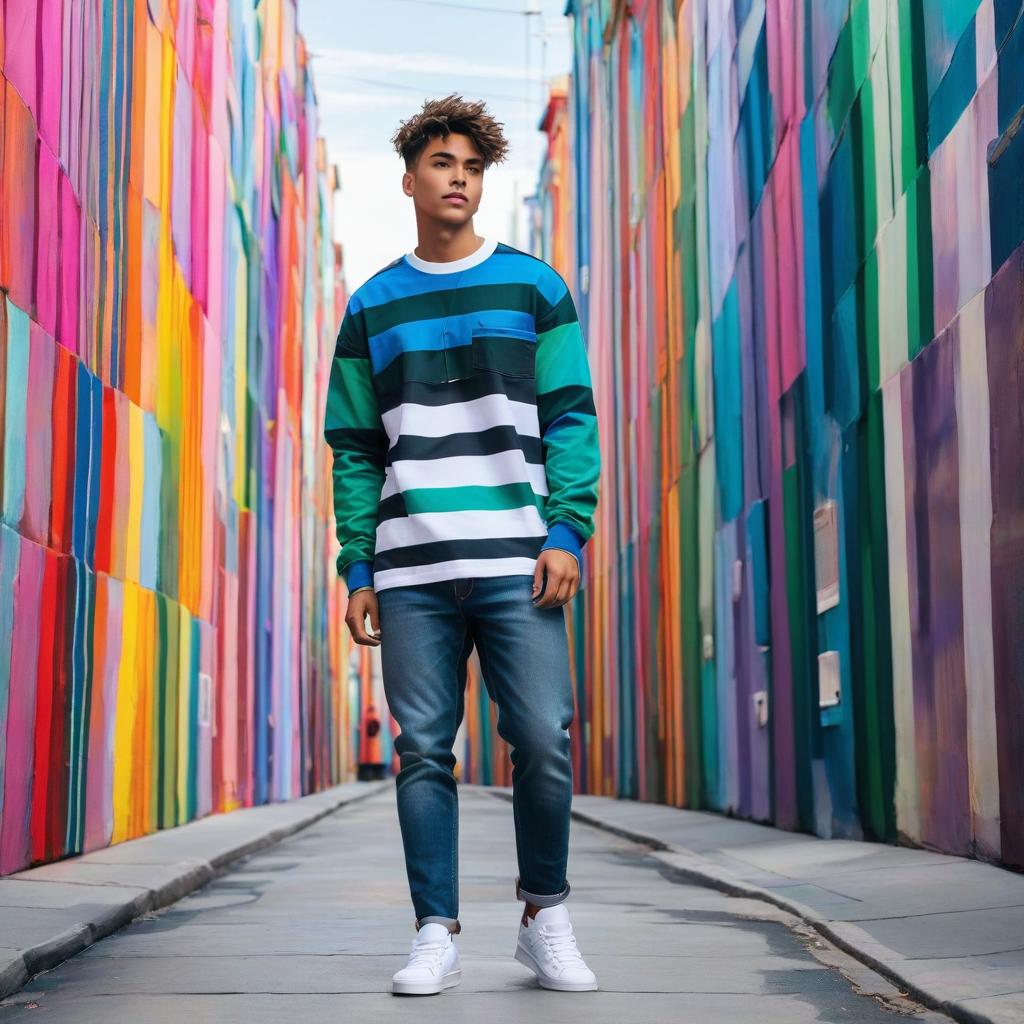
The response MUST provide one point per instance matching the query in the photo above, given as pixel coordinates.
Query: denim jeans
(427, 633)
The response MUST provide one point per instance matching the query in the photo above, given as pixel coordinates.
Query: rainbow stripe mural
(171, 631)
(795, 238)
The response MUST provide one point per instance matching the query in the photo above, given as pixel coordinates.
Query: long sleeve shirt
(461, 418)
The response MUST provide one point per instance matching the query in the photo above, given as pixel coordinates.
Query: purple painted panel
(1004, 327)
(936, 594)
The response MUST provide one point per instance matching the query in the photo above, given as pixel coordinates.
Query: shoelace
(428, 953)
(562, 946)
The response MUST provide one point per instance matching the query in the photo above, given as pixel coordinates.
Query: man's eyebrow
(451, 156)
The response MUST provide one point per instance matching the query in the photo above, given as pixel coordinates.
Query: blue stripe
(562, 535)
(15, 414)
(95, 459)
(83, 444)
(425, 335)
(359, 574)
(552, 287)
(403, 280)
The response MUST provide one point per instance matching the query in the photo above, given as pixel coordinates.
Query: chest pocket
(500, 348)
(450, 361)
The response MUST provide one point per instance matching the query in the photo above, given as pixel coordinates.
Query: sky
(375, 62)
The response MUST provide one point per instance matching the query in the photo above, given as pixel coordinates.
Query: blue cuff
(563, 536)
(358, 574)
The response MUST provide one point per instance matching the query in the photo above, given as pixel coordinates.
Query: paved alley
(313, 928)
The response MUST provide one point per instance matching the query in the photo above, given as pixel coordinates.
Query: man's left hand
(563, 578)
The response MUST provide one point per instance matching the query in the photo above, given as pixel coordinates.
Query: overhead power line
(426, 91)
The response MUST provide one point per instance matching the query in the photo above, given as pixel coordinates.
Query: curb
(18, 970)
(690, 867)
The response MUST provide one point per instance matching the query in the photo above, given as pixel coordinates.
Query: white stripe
(973, 419)
(492, 470)
(908, 818)
(428, 527)
(410, 419)
(454, 570)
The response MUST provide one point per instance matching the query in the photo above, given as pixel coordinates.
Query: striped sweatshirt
(461, 418)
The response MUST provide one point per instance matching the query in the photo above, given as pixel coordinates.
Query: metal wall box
(828, 679)
(826, 555)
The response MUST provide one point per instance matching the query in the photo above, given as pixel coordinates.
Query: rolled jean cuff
(450, 922)
(541, 901)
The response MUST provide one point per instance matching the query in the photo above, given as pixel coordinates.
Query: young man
(466, 465)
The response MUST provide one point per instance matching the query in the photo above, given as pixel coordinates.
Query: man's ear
(407, 183)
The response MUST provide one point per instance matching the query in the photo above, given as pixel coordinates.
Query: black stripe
(555, 316)
(509, 357)
(502, 438)
(356, 439)
(449, 302)
(352, 335)
(505, 247)
(514, 357)
(392, 508)
(446, 550)
(344, 351)
(425, 366)
(518, 389)
(572, 398)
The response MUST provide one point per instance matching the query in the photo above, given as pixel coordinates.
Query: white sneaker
(548, 947)
(433, 963)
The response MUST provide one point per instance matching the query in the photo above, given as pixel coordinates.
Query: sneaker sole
(426, 988)
(525, 957)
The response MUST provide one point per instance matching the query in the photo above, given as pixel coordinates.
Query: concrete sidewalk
(948, 930)
(49, 913)
(312, 929)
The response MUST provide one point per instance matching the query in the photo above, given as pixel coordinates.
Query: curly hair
(447, 115)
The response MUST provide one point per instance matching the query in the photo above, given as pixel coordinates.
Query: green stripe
(474, 498)
(192, 741)
(351, 401)
(562, 358)
(357, 484)
(863, 124)
(913, 90)
(353, 428)
(448, 302)
(873, 701)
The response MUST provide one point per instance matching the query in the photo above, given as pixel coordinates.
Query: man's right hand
(359, 603)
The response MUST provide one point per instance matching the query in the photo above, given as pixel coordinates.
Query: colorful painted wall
(797, 249)
(171, 632)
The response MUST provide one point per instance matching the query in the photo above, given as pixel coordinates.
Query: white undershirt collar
(453, 266)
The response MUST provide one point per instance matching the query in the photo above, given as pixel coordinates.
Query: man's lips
(456, 197)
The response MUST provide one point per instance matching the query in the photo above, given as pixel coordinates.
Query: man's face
(447, 181)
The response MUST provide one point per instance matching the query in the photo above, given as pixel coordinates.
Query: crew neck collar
(453, 266)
